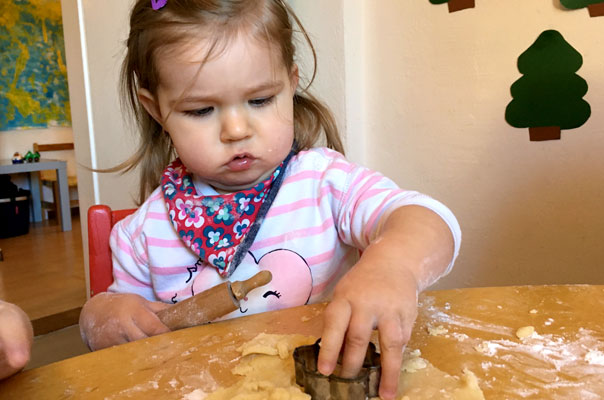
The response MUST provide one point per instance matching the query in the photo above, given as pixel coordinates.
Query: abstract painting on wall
(33, 76)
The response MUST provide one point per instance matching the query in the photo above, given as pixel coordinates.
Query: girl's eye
(200, 112)
(262, 101)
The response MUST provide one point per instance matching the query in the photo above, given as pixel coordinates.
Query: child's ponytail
(311, 118)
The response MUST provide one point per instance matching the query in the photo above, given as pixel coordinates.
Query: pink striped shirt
(327, 209)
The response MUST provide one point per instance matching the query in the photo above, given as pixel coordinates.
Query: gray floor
(56, 346)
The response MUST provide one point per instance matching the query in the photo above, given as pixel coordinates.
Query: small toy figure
(17, 158)
(32, 157)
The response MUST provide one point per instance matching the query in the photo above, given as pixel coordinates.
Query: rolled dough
(267, 372)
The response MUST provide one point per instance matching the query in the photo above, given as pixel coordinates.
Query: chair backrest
(40, 147)
(100, 221)
(68, 156)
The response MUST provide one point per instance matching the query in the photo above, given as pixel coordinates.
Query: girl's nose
(235, 125)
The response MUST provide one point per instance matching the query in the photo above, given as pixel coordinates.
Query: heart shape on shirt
(290, 286)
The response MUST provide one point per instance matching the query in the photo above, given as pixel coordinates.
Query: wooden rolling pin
(212, 303)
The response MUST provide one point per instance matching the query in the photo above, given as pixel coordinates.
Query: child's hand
(380, 291)
(16, 338)
(115, 318)
(369, 297)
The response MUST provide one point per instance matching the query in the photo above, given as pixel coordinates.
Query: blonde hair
(152, 31)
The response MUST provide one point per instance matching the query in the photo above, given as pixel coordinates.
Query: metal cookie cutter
(322, 387)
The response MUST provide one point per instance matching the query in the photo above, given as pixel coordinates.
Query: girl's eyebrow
(276, 86)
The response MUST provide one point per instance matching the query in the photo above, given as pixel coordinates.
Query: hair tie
(157, 4)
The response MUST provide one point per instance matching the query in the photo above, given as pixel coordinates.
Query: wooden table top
(565, 359)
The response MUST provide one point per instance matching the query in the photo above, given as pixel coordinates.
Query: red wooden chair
(100, 221)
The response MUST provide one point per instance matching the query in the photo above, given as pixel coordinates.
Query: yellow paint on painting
(9, 14)
(44, 34)
(40, 10)
(23, 101)
(21, 63)
(46, 9)
(62, 66)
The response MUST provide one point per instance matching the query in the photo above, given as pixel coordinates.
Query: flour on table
(267, 371)
(196, 394)
(595, 357)
(420, 380)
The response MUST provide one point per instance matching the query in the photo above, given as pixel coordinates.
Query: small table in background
(7, 167)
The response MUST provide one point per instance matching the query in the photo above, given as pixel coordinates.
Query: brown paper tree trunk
(596, 10)
(540, 133)
(457, 5)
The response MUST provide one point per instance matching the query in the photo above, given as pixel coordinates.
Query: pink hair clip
(157, 4)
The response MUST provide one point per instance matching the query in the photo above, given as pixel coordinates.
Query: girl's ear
(148, 101)
(294, 77)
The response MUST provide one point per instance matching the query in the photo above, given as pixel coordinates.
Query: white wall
(437, 88)
(420, 94)
(337, 31)
(94, 36)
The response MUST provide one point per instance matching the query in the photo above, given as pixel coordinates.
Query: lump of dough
(272, 345)
(525, 332)
(413, 362)
(437, 331)
(266, 370)
(264, 375)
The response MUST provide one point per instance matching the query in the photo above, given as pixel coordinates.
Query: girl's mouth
(240, 162)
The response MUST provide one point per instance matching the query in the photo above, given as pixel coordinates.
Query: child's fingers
(357, 340)
(157, 306)
(133, 332)
(14, 355)
(16, 337)
(336, 316)
(393, 339)
(149, 323)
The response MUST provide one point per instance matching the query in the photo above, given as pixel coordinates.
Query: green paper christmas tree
(549, 95)
(455, 5)
(595, 7)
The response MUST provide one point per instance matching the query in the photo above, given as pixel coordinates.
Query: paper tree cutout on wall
(549, 95)
(595, 7)
(455, 5)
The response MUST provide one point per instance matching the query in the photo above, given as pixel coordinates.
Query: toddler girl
(214, 83)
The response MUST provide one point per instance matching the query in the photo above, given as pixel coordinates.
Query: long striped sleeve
(326, 210)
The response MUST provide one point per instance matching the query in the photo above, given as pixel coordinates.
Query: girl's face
(231, 122)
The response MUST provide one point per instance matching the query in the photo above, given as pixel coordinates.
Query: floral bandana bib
(220, 228)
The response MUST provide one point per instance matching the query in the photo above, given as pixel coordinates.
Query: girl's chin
(224, 187)
(240, 181)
